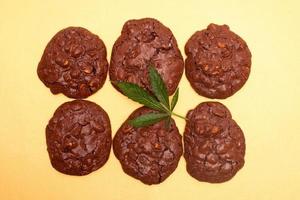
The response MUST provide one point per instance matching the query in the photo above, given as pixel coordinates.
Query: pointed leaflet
(139, 95)
(174, 99)
(147, 119)
(168, 122)
(158, 87)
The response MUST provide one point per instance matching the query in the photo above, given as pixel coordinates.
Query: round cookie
(151, 153)
(218, 62)
(145, 42)
(214, 145)
(78, 138)
(74, 63)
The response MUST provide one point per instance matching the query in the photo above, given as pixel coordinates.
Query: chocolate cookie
(150, 153)
(74, 63)
(142, 43)
(78, 138)
(214, 145)
(218, 62)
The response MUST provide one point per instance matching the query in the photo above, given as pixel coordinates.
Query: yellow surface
(267, 108)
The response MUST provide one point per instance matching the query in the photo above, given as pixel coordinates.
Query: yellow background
(267, 108)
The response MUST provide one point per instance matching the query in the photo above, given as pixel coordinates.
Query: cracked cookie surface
(218, 62)
(74, 63)
(144, 42)
(78, 138)
(150, 153)
(214, 145)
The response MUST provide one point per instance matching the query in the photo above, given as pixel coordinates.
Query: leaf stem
(180, 116)
(169, 112)
(166, 109)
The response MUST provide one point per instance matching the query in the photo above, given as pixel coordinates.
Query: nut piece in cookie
(218, 62)
(74, 63)
(78, 138)
(214, 145)
(149, 154)
(142, 43)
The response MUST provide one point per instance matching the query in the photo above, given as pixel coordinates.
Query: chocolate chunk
(78, 138)
(142, 43)
(74, 63)
(214, 145)
(218, 62)
(150, 153)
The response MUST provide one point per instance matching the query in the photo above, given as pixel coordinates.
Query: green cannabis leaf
(174, 99)
(138, 94)
(159, 102)
(158, 87)
(147, 119)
